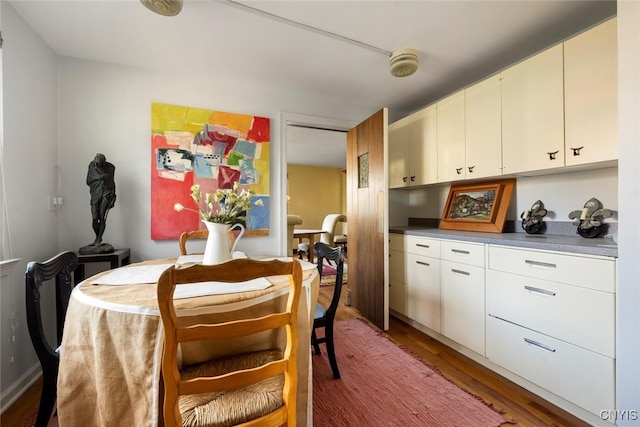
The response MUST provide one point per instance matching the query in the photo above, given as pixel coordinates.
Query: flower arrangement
(223, 206)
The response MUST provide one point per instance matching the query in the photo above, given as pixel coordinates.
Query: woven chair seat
(228, 408)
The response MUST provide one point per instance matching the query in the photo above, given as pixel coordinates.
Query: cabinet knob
(404, 179)
(458, 171)
(552, 156)
(470, 169)
(576, 151)
(413, 178)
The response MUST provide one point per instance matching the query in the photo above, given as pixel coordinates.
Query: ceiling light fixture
(403, 62)
(163, 7)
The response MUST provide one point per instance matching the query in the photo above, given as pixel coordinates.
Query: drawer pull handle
(423, 263)
(540, 263)
(540, 291)
(460, 251)
(420, 245)
(466, 273)
(538, 344)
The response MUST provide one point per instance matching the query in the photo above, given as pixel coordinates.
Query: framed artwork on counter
(478, 207)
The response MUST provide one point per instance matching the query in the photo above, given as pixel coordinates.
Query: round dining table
(110, 363)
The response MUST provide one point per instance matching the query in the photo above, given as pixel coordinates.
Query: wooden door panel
(368, 214)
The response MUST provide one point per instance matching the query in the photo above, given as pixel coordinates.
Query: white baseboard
(17, 389)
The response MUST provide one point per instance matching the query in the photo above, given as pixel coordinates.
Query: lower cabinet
(547, 317)
(397, 274)
(551, 320)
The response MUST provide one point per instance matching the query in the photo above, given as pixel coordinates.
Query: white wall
(30, 149)
(628, 333)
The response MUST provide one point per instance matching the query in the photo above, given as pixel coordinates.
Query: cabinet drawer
(578, 375)
(466, 253)
(397, 242)
(589, 272)
(580, 316)
(423, 246)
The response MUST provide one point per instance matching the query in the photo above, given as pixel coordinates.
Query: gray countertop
(560, 243)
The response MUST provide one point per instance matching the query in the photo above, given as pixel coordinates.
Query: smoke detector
(163, 7)
(403, 62)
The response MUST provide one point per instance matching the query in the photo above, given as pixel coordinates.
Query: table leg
(311, 242)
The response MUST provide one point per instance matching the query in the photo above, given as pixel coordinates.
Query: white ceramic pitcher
(218, 248)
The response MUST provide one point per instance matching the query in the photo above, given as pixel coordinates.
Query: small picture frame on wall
(478, 206)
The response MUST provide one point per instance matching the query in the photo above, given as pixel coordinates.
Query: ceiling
(458, 42)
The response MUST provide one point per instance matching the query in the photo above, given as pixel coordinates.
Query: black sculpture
(102, 186)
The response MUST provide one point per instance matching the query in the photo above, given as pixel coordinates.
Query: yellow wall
(316, 192)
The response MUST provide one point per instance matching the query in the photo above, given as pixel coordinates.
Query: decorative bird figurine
(532, 219)
(589, 219)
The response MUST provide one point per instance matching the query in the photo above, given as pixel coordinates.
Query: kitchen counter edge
(559, 243)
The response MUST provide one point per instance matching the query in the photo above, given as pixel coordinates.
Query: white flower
(222, 206)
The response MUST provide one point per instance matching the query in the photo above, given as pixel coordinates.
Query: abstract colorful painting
(211, 148)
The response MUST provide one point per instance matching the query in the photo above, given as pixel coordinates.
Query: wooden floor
(519, 404)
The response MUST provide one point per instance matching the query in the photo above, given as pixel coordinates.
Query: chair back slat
(235, 329)
(236, 379)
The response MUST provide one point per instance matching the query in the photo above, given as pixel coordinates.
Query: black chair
(61, 268)
(323, 317)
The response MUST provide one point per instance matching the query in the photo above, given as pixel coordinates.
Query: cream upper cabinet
(423, 158)
(483, 123)
(412, 150)
(398, 155)
(591, 95)
(533, 113)
(451, 138)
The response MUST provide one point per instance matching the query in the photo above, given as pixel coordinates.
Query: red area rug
(382, 385)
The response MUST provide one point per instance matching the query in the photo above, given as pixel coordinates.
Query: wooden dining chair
(251, 389)
(324, 317)
(60, 268)
(199, 234)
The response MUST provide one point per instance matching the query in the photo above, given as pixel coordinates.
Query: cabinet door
(463, 313)
(483, 129)
(423, 290)
(397, 266)
(398, 155)
(533, 113)
(591, 95)
(451, 138)
(398, 297)
(423, 150)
